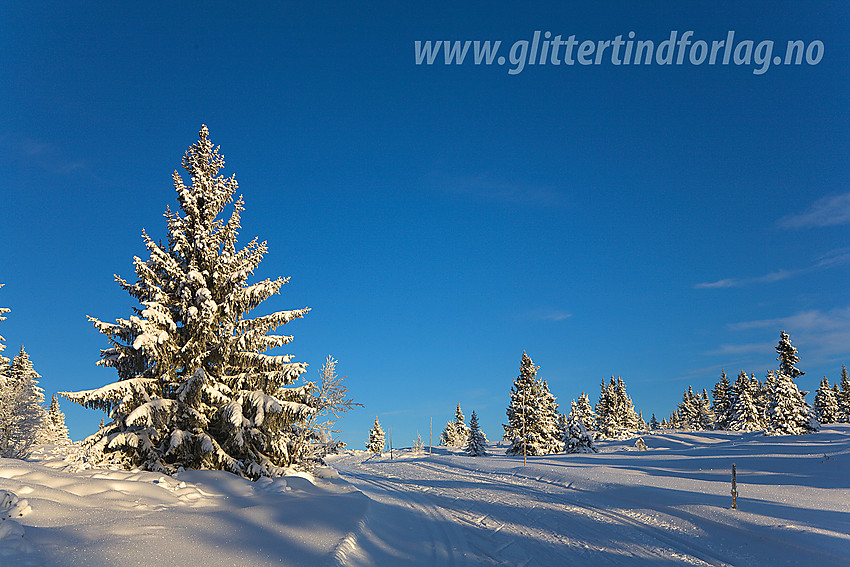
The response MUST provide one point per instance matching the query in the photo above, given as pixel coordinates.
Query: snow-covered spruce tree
(23, 421)
(653, 423)
(722, 401)
(418, 446)
(615, 413)
(576, 438)
(456, 432)
(584, 411)
(6, 402)
(532, 426)
(57, 431)
(476, 443)
(706, 414)
(844, 396)
(195, 389)
(689, 410)
(744, 414)
(788, 412)
(826, 404)
(787, 357)
(375, 444)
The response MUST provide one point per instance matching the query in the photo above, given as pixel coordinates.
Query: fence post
(734, 489)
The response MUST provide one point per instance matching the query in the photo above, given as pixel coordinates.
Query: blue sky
(654, 222)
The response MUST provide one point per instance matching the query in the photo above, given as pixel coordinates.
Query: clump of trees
(24, 422)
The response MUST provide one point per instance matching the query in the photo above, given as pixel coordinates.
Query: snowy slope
(669, 505)
(103, 517)
(665, 506)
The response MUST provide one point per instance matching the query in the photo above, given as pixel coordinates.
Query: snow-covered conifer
(375, 444)
(844, 396)
(532, 426)
(787, 357)
(689, 410)
(788, 412)
(23, 421)
(722, 401)
(653, 423)
(456, 432)
(57, 431)
(826, 404)
(744, 415)
(195, 389)
(616, 415)
(706, 414)
(418, 446)
(584, 411)
(476, 443)
(576, 438)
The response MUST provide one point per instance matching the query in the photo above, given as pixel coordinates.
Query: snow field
(668, 505)
(113, 517)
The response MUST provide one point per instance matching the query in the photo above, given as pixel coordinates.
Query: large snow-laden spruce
(195, 389)
(375, 444)
(576, 439)
(532, 426)
(788, 412)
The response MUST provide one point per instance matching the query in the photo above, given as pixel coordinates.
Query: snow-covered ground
(668, 505)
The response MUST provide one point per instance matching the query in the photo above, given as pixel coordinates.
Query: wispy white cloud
(828, 211)
(822, 335)
(742, 349)
(838, 257)
(43, 155)
(489, 188)
(549, 315)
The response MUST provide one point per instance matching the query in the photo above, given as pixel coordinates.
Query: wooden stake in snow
(391, 442)
(734, 489)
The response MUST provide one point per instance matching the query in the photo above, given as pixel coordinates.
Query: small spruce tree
(375, 444)
(476, 443)
(56, 428)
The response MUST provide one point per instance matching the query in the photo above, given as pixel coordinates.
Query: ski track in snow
(667, 506)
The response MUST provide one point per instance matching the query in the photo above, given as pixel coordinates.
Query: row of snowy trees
(775, 405)
(24, 422)
(195, 387)
(456, 434)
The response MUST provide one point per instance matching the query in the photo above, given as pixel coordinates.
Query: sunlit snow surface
(669, 505)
